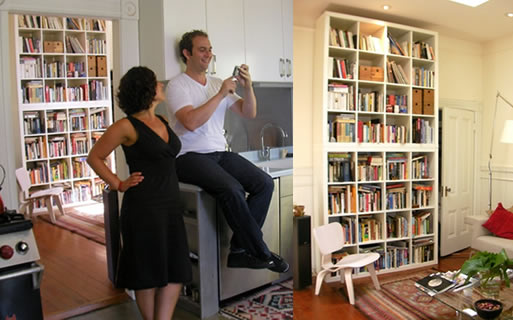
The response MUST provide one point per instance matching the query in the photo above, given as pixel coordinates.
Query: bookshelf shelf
(64, 100)
(375, 154)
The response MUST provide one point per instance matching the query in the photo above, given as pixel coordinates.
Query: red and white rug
(273, 303)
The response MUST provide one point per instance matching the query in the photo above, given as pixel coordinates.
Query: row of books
(370, 101)
(396, 134)
(340, 167)
(396, 103)
(370, 43)
(421, 194)
(30, 67)
(341, 199)
(395, 73)
(97, 46)
(397, 226)
(29, 44)
(423, 50)
(54, 93)
(55, 69)
(369, 198)
(420, 167)
(369, 172)
(57, 146)
(342, 128)
(35, 148)
(369, 229)
(342, 38)
(422, 223)
(73, 45)
(422, 131)
(396, 48)
(370, 131)
(397, 256)
(423, 250)
(397, 168)
(396, 196)
(34, 92)
(79, 143)
(80, 168)
(341, 68)
(56, 23)
(423, 77)
(340, 97)
(85, 24)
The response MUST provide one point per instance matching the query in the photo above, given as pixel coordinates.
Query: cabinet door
(287, 37)
(225, 26)
(180, 17)
(264, 39)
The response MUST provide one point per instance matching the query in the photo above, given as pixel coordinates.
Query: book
(434, 284)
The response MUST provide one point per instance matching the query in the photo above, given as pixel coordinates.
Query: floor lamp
(507, 137)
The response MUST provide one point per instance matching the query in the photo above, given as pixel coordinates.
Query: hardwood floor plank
(75, 277)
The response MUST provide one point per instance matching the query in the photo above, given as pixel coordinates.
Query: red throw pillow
(500, 223)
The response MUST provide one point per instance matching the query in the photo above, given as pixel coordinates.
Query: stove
(17, 242)
(20, 273)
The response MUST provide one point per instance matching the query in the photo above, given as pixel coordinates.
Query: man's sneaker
(277, 264)
(245, 260)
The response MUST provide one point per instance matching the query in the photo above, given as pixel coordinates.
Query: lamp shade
(507, 132)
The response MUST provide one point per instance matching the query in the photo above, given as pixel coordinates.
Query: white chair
(330, 238)
(27, 200)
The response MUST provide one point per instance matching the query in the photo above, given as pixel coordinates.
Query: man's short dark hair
(186, 42)
(137, 89)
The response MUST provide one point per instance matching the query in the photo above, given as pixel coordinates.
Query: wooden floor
(75, 280)
(331, 304)
(75, 277)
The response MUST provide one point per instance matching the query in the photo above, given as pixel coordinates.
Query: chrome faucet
(265, 152)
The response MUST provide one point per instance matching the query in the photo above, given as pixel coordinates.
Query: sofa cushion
(493, 244)
(500, 222)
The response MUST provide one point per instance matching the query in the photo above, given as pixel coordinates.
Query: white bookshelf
(376, 162)
(64, 100)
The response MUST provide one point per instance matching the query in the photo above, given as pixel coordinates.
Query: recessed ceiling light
(386, 7)
(509, 14)
(471, 3)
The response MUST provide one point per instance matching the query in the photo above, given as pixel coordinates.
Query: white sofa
(484, 240)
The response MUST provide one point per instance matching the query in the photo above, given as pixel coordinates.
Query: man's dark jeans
(228, 176)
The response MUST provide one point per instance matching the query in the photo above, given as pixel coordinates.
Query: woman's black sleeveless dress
(155, 250)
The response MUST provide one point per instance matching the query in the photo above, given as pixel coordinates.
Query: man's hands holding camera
(240, 75)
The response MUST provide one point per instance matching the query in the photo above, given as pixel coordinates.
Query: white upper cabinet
(265, 48)
(225, 27)
(255, 32)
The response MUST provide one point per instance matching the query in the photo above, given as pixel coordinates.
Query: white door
(458, 140)
(264, 39)
(225, 26)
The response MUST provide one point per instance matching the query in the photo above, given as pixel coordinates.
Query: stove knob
(22, 247)
(6, 252)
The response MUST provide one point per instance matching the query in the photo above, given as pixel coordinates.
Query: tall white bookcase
(375, 138)
(64, 100)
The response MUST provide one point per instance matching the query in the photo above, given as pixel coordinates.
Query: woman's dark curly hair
(137, 89)
(186, 42)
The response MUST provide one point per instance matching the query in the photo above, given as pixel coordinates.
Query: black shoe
(245, 260)
(277, 264)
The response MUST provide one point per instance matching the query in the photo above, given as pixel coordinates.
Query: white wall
(498, 76)
(302, 122)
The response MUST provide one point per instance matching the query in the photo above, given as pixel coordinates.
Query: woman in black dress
(155, 257)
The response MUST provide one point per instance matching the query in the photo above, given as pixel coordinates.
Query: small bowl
(487, 308)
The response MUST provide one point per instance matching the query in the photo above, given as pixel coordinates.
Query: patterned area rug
(399, 299)
(274, 303)
(86, 221)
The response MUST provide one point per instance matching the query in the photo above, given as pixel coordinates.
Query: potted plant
(490, 266)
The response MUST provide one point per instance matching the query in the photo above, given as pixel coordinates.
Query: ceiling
(483, 23)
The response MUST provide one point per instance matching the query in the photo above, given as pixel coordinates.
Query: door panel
(458, 140)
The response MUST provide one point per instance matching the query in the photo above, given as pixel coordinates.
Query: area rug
(86, 221)
(399, 299)
(273, 303)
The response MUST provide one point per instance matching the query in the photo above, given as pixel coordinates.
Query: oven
(20, 273)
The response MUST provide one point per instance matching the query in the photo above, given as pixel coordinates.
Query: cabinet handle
(214, 68)
(289, 67)
(282, 67)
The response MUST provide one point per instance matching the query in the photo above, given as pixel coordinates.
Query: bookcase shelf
(64, 100)
(375, 133)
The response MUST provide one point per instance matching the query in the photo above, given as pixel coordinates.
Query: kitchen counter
(276, 166)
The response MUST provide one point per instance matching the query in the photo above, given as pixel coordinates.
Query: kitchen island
(209, 235)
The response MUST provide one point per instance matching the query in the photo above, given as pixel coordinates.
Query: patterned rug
(273, 303)
(86, 221)
(399, 299)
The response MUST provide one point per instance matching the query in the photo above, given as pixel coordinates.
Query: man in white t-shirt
(197, 104)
